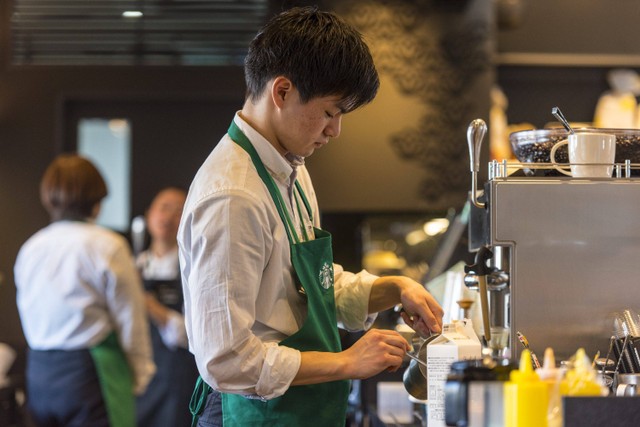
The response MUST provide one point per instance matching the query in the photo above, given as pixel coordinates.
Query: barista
(166, 400)
(81, 306)
(262, 294)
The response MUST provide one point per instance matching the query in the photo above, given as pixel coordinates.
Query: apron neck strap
(305, 201)
(241, 139)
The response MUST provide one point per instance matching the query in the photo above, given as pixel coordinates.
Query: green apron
(116, 381)
(317, 405)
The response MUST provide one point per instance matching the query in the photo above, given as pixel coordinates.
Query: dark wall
(534, 90)
(594, 27)
(559, 53)
(36, 103)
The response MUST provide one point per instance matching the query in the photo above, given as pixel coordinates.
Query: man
(262, 295)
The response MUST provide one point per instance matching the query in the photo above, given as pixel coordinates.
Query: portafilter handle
(480, 269)
(475, 134)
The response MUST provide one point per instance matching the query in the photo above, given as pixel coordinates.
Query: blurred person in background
(81, 304)
(166, 401)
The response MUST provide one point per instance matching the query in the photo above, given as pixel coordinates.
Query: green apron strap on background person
(317, 405)
(116, 381)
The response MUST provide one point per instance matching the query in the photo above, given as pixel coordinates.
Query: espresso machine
(556, 257)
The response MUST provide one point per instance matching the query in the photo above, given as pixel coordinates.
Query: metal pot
(415, 376)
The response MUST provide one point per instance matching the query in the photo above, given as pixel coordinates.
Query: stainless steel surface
(499, 290)
(574, 250)
(564, 250)
(496, 280)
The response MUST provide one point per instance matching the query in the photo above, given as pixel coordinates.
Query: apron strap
(116, 381)
(302, 225)
(306, 202)
(198, 400)
(300, 195)
(241, 139)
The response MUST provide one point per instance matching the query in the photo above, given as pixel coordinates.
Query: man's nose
(333, 128)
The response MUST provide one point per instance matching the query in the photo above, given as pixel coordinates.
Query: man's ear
(281, 89)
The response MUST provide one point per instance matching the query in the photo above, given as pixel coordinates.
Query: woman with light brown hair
(81, 306)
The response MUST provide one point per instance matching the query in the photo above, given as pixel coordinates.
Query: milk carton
(458, 341)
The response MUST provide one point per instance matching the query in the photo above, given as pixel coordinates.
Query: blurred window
(107, 143)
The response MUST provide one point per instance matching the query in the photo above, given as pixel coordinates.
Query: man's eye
(329, 115)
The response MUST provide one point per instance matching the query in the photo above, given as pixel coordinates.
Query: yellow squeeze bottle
(551, 375)
(581, 380)
(526, 397)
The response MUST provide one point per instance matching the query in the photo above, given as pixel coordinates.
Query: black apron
(81, 388)
(166, 400)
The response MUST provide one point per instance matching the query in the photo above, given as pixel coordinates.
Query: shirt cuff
(352, 300)
(281, 365)
(174, 333)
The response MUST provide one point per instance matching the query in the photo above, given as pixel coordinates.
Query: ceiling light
(132, 14)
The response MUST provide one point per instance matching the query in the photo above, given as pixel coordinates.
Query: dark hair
(71, 187)
(320, 53)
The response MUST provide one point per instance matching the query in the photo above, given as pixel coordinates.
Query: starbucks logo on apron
(326, 275)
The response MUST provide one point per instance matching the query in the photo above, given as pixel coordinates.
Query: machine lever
(480, 269)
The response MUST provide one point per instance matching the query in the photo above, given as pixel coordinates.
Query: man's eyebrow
(341, 108)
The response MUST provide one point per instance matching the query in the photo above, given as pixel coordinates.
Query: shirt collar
(280, 167)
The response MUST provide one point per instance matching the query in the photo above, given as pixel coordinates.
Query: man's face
(304, 127)
(163, 216)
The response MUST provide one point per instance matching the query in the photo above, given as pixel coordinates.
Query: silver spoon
(558, 115)
(416, 359)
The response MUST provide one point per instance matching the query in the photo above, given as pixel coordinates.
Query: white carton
(458, 341)
(394, 406)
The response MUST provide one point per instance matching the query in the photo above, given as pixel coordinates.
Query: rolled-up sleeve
(352, 291)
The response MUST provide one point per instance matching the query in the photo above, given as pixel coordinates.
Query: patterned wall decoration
(439, 52)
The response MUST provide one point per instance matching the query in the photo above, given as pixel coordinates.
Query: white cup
(591, 155)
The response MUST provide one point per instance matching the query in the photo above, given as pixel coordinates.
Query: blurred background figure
(166, 401)
(81, 304)
(618, 107)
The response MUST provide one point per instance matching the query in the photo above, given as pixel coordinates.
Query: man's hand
(376, 351)
(421, 311)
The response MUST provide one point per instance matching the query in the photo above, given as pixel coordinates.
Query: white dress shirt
(76, 283)
(240, 297)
